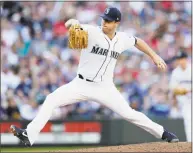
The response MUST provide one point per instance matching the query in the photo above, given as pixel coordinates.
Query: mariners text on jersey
(102, 51)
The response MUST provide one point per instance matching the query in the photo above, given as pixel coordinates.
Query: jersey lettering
(186, 81)
(102, 51)
(95, 49)
(114, 54)
(99, 51)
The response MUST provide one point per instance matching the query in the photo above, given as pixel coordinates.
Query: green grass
(40, 149)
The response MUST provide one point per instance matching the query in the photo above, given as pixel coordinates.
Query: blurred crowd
(35, 59)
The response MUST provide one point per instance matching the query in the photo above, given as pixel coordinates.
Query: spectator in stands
(12, 109)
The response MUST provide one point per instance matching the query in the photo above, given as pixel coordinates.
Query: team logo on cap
(107, 11)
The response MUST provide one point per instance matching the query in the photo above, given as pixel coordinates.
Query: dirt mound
(143, 147)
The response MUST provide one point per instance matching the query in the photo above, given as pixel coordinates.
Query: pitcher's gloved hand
(78, 38)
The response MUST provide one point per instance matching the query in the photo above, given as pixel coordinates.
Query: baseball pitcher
(100, 48)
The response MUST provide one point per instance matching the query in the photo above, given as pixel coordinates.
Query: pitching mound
(144, 147)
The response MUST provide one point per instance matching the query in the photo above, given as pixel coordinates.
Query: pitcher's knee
(129, 115)
(126, 115)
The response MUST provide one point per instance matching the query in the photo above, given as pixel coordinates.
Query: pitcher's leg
(117, 103)
(66, 94)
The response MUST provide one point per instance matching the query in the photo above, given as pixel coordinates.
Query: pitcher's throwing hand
(160, 63)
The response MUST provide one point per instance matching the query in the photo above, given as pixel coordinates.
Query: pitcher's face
(109, 26)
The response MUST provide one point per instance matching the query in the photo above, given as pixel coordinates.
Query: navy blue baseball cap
(111, 14)
(181, 54)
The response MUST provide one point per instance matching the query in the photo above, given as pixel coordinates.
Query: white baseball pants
(104, 93)
(186, 113)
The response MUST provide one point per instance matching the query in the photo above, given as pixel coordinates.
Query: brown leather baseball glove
(78, 38)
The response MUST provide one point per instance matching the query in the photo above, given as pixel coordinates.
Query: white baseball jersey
(97, 62)
(182, 78)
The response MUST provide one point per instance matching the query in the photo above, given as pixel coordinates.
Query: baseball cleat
(169, 137)
(21, 134)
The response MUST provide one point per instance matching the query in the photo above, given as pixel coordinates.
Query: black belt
(81, 77)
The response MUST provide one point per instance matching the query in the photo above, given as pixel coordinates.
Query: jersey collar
(114, 38)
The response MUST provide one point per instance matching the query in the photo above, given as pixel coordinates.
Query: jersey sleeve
(129, 41)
